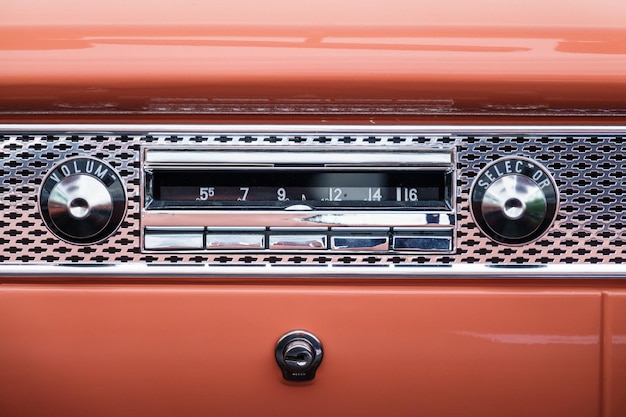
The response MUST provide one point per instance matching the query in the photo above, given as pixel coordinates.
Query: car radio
(313, 195)
(343, 199)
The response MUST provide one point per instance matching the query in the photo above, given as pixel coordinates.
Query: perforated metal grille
(589, 171)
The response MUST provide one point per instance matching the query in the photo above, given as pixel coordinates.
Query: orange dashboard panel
(313, 208)
(388, 350)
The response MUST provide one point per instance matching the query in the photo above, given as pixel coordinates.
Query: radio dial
(83, 201)
(514, 201)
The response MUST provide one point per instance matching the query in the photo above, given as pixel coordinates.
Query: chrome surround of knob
(298, 354)
(514, 200)
(82, 200)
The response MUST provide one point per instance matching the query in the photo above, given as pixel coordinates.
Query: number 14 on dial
(374, 194)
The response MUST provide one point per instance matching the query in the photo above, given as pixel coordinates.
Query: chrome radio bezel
(383, 230)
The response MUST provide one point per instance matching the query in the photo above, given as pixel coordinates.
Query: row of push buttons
(283, 239)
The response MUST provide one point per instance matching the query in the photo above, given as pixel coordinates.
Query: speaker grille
(588, 169)
(589, 172)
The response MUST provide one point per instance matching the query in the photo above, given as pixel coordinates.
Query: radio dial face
(514, 200)
(82, 200)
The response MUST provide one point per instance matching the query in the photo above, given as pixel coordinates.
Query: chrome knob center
(514, 208)
(79, 208)
(80, 197)
(514, 205)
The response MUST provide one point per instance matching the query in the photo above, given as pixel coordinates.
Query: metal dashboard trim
(476, 271)
(308, 128)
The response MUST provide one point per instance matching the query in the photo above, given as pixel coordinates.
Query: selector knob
(514, 200)
(83, 200)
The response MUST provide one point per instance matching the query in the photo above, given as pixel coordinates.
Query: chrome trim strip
(295, 219)
(165, 157)
(274, 128)
(473, 271)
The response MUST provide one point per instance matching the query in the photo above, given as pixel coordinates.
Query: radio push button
(422, 241)
(227, 241)
(514, 200)
(298, 242)
(174, 238)
(359, 243)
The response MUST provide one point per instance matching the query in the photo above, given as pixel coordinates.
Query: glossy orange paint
(614, 368)
(495, 348)
(277, 57)
(76, 350)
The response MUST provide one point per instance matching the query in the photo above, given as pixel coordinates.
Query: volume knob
(83, 201)
(514, 200)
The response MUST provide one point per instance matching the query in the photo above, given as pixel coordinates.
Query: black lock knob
(298, 354)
